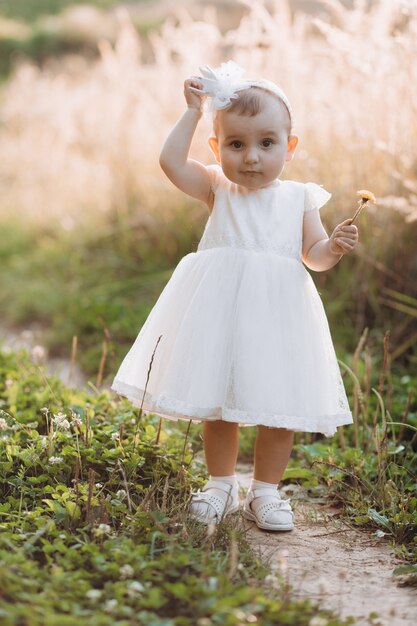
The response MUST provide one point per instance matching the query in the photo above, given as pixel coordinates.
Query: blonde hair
(249, 103)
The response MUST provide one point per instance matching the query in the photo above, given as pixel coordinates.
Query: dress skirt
(244, 338)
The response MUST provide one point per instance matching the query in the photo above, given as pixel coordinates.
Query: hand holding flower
(344, 238)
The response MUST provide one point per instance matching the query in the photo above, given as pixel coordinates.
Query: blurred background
(90, 227)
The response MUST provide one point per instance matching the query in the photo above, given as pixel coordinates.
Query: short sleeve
(216, 175)
(315, 196)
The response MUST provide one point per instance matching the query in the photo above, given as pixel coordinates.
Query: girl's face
(252, 150)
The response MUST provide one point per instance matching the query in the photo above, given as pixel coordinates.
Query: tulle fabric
(244, 338)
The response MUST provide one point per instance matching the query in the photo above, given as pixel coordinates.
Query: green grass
(30, 10)
(101, 534)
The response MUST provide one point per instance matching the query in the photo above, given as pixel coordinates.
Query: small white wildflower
(103, 529)
(318, 621)
(115, 436)
(60, 421)
(94, 594)
(38, 353)
(59, 416)
(270, 579)
(44, 409)
(3, 424)
(121, 494)
(99, 485)
(77, 422)
(44, 441)
(211, 527)
(281, 560)
(135, 586)
(55, 459)
(126, 571)
(9, 383)
(110, 605)
(323, 587)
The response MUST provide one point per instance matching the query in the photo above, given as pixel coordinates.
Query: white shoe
(216, 500)
(273, 513)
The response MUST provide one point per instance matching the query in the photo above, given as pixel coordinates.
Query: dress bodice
(268, 219)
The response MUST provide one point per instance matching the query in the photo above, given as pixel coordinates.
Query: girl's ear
(292, 144)
(214, 145)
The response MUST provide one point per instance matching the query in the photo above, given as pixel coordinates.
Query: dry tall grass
(79, 139)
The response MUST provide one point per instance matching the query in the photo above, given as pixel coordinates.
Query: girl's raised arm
(187, 174)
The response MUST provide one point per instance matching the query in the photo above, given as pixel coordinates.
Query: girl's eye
(267, 141)
(236, 144)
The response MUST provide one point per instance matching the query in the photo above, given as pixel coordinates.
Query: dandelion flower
(365, 196)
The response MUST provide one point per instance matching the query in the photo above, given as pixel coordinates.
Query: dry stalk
(103, 357)
(158, 434)
(144, 392)
(123, 473)
(185, 442)
(356, 391)
(73, 357)
(91, 475)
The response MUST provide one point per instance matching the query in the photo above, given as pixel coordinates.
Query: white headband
(222, 84)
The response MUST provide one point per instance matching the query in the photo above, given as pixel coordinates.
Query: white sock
(259, 484)
(232, 480)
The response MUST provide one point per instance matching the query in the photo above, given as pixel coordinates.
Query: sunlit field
(351, 81)
(90, 233)
(80, 140)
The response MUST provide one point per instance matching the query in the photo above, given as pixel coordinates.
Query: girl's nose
(251, 156)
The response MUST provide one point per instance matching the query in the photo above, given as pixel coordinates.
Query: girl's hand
(344, 238)
(193, 93)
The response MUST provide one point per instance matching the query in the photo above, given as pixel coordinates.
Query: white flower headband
(223, 83)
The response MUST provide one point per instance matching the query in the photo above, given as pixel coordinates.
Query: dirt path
(327, 560)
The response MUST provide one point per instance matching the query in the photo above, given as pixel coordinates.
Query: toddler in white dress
(244, 338)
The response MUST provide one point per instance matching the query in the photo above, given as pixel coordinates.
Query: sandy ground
(344, 568)
(328, 561)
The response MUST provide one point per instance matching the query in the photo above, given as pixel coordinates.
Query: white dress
(244, 334)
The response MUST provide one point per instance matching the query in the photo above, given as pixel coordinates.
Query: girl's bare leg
(272, 452)
(221, 446)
